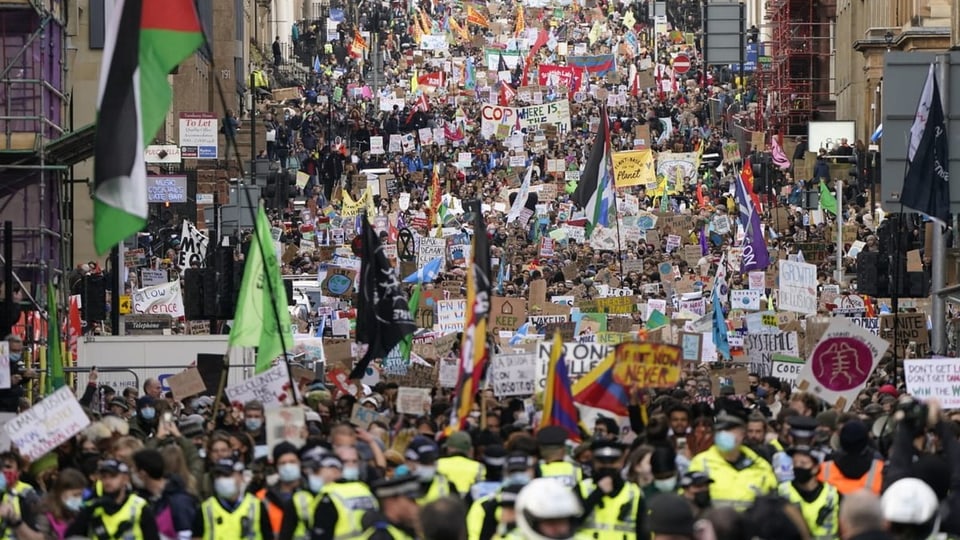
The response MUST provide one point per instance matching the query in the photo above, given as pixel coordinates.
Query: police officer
(739, 475)
(341, 504)
(800, 432)
(18, 500)
(695, 487)
(494, 458)
(613, 508)
(458, 465)
(486, 513)
(421, 457)
(553, 457)
(819, 503)
(298, 512)
(118, 514)
(397, 517)
(231, 513)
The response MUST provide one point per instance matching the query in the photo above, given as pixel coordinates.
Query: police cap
(802, 427)
(516, 461)
(398, 486)
(552, 436)
(696, 478)
(422, 450)
(607, 450)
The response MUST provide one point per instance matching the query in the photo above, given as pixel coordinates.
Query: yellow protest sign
(647, 365)
(633, 168)
(126, 304)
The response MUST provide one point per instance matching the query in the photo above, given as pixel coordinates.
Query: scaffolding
(799, 86)
(37, 148)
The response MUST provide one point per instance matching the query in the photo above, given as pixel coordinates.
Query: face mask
(475, 415)
(202, 452)
(288, 472)
(315, 483)
(351, 474)
(253, 424)
(226, 488)
(666, 485)
(73, 504)
(702, 499)
(426, 473)
(726, 441)
(802, 476)
(148, 413)
(15, 357)
(518, 479)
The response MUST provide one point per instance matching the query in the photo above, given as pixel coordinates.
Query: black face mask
(802, 476)
(702, 499)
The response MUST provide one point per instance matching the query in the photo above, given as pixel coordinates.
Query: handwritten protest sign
(513, 374)
(285, 424)
(647, 365)
(798, 287)
(938, 378)
(841, 362)
(415, 401)
(47, 424)
(272, 388)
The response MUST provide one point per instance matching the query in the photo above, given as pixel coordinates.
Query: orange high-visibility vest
(872, 480)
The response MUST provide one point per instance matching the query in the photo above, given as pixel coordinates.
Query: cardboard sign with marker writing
(186, 383)
(339, 282)
(538, 294)
(507, 313)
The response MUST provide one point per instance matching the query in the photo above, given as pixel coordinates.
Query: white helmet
(910, 502)
(545, 499)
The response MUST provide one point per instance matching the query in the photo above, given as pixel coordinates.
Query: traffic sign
(681, 64)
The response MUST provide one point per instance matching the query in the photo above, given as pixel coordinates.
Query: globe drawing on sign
(339, 284)
(841, 363)
(666, 268)
(645, 222)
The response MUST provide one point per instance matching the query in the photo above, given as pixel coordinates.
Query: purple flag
(704, 249)
(755, 254)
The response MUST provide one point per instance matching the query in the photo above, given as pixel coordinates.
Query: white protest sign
(430, 249)
(760, 349)
(513, 374)
(841, 362)
(449, 372)
(757, 281)
(798, 287)
(272, 388)
(450, 315)
(152, 278)
(47, 424)
(787, 368)
(867, 323)
(556, 113)
(285, 424)
(937, 378)
(165, 299)
(747, 299)
(580, 359)
(413, 401)
(193, 247)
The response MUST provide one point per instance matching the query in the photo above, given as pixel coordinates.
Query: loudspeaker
(94, 298)
(288, 288)
(211, 368)
(193, 294)
(209, 278)
(872, 278)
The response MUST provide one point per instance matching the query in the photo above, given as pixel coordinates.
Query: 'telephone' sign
(198, 135)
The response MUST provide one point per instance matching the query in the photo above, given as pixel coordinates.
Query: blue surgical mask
(73, 504)
(148, 413)
(315, 483)
(426, 473)
(518, 479)
(666, 485)
(288, 472)
(351, 474)
(15, 357)
(726, 441)
(253, 424)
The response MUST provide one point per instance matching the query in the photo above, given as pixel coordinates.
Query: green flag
(262, 319)
(56, 379)
(827, 201)
(407, 344)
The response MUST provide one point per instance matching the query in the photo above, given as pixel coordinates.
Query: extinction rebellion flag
(144, 42)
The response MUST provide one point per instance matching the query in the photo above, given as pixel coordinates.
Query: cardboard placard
(186, 383)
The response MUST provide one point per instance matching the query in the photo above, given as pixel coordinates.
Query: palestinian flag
(145, 41)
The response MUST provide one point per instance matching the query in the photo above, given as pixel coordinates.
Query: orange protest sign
(647, 365)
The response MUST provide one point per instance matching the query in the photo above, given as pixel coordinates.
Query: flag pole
(231, 136)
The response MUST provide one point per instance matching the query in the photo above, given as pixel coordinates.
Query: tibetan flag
(594, 193)
(558, 406)
(747, 175)
(474, 349)
(926, 185)
(57, 378)
(262, 319)
(598, 389)
(144, 41)
(477, 18)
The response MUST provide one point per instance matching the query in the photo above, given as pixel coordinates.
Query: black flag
(383, 316)
(926, 186)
